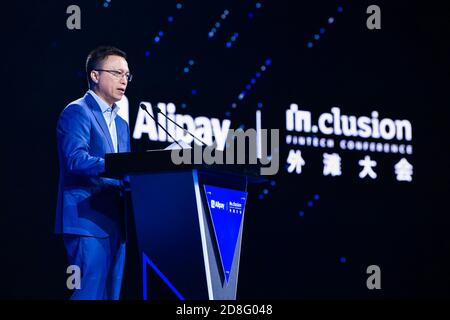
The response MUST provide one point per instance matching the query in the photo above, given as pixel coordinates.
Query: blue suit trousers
(101, 262)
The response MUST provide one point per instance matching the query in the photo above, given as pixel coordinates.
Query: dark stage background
(306, 235)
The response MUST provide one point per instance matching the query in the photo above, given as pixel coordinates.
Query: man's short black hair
(96, 57)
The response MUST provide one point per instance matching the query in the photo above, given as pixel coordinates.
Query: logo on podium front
(226, 207)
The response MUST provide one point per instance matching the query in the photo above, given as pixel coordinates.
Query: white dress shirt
(109, 113)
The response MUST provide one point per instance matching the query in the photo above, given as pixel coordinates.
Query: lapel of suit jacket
(119, 134)
(122, 134)
(100, 119)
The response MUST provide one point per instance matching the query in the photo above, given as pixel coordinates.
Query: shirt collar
(103, 105)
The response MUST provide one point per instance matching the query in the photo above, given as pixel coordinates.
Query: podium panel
(176, 236)
(188, 222)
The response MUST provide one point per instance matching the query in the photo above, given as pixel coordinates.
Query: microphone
(144, 107)
(158, 110)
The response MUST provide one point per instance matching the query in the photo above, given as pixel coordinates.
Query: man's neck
(111, 104)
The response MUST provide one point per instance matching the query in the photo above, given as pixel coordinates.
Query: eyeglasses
(118, 74)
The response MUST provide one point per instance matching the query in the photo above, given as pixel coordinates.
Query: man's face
(111, 84)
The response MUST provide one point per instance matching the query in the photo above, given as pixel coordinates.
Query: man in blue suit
(90, 210)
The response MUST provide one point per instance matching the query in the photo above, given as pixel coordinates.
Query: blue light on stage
(310, 203)
(187, 69)
(301, 213)
(258, 6)
(273, 183)
(170, 20)
(343, 260)
(147, 53)
(217, 24)
(233, 39)
(260, 105)
(146, 261)
(316, 37)
(265, 191)
(248, 87)
(194, 92)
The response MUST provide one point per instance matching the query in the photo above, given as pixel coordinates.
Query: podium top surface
(158, 161)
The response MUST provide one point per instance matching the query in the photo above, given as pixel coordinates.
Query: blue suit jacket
(88, 204)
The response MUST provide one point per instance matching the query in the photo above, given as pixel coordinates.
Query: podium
(189, 222)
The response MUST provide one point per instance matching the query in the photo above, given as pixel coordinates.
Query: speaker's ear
(94, 76)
